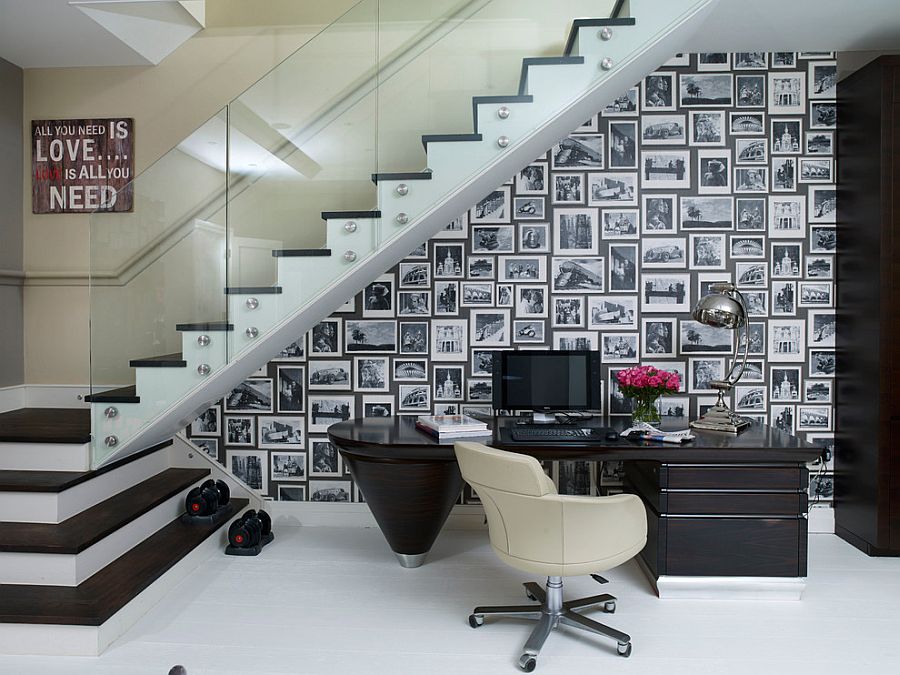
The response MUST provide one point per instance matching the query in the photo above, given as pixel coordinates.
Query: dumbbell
(207, 499)
(249, 533)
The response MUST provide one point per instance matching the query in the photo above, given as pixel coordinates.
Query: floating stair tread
(512, 98)
(58, 481)
(205, 325)
(586, 23)
(95, 600)
(120, 395)
(544, 61)
(408, 175)
(165, 361)
(448, 138)
(46, 425)
(88, 527)
(301, 252)
(253, 290)
(336, 215)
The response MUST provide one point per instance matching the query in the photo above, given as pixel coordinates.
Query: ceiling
(63, 33)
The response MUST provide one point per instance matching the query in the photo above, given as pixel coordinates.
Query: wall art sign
(81, 166)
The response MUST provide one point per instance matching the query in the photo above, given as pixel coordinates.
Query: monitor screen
(547, 380)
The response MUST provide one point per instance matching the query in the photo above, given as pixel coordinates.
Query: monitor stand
(538, 417)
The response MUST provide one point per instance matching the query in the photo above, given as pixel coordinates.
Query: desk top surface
(397, 438)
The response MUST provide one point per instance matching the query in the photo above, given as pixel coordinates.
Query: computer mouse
(612, 435)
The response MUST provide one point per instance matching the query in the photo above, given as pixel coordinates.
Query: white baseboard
(315, 514)
(821, 521)
(12, 398)
(44, 396)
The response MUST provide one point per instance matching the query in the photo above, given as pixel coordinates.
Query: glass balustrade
(306, 138)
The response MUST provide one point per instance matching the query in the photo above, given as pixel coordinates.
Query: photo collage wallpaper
(718, 166)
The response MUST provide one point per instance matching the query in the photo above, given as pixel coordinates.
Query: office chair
(537, 530)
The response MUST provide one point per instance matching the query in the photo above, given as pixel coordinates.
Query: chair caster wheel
(475, 621)
(624, 649)
(527, 663)
(609, 607)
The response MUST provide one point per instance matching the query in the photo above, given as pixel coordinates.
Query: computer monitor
(546, 381)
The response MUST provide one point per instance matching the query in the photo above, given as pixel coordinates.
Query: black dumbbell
(265, 521)
(246, 531)
(207, 499)
(249, 533)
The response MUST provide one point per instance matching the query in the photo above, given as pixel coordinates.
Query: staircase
(85, 552)
(90, 498)
(599, 59)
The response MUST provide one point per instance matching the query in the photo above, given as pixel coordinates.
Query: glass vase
(645, 410)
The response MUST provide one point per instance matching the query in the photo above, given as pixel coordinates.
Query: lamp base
(720, 418)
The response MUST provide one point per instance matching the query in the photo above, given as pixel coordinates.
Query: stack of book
(451, 427)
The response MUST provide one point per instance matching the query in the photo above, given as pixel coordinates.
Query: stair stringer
(665, 40)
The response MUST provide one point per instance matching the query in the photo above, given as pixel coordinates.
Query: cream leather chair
(537, 530)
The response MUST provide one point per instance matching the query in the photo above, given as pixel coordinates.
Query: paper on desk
(666, 436)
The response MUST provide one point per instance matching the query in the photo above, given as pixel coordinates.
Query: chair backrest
(538, 530)
(494, 469)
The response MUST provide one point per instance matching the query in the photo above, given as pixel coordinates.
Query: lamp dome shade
(719, 311)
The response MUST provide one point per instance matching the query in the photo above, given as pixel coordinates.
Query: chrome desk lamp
(724, 307)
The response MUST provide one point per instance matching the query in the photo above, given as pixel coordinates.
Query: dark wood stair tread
(46, 425)
(253, 290)
(403, 175)
(165, 361)
(301, 252)
(120, 395)
(58, 481)
(90, 526)
(448, 138)
(95, 600)
(205, 325)
(336, 215)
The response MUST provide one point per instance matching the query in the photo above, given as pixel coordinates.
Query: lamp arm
(733, 377)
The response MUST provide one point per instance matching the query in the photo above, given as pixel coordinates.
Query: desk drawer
(741, 547)
(736, 477)
(734, 503)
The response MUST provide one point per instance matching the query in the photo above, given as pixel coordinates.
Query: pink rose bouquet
(645, 384)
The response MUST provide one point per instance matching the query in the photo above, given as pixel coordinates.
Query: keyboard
(557, 433)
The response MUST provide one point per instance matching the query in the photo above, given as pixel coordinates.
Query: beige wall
(168, 102)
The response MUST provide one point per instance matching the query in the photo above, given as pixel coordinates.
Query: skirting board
(56, 640)
(725, 588)
(315, 514)
(44, 396)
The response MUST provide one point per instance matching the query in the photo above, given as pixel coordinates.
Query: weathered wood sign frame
(82, 166)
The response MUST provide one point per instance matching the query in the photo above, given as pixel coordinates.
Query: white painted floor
(334, 601)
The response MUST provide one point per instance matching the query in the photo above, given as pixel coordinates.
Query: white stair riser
(214, 354)
(45, 457)
(55, 640)
(269, 311)
(54, 569)
(55, 507)
(304, 277)
(362, 241)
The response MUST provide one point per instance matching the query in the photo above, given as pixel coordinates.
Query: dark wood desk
(721, 510)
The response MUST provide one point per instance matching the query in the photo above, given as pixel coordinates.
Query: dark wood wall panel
(867, 457)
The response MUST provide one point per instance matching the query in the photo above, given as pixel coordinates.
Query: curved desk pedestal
(409, 499)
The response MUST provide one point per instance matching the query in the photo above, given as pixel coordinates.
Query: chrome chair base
(550, 613)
